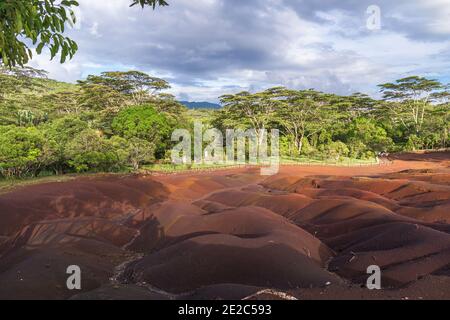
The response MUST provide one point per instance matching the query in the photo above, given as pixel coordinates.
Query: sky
(207, 48)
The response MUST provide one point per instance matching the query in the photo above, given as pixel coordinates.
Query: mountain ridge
(201, 105)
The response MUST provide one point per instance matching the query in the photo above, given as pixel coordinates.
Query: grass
(10, 184)
(180, 168)
(7, 185)
(284, 161)
(342, 161)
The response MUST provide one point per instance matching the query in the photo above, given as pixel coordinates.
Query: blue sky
(206, 48)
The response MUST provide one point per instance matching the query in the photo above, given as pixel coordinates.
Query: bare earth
(306, 233)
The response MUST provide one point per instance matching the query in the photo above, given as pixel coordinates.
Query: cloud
(206, 48)
(94, 30)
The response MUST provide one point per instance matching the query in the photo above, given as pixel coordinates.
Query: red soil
(310, 232)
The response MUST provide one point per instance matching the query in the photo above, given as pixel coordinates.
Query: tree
(174, 111)
(90, 151)
(301, 113)
(138, 86)
(349, 108)
(145, 123)
(63, 102)
(42, 22)
(16, 80)
(103, 102)
(135, 150)
(152, 3)
(412, 97)
(247, 111)
(364, 131)
(23, 151)
(336, 150)
(437, 127)
(59, 133)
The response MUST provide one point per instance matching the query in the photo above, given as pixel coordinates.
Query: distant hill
(201, 105)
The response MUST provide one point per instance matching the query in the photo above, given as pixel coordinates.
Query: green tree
(23, 151)
(89, 151)
(140, 152)
(411, 99)
(145, 123)
(101, 98)
(364, 131)
(335, 150)
(59, 133)
(15, 80)
(173, 110)
(103, 103)
(246, 111)
(301, 114)
(137, 86)
(62, 103)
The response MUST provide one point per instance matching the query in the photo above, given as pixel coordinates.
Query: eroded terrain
(308, 233)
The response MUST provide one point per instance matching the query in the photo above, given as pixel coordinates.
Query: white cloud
(210, 47)
(94, 30)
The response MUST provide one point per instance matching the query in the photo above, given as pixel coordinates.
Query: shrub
(336, 150)
(90, 151)
(23, 151)
(145, 123)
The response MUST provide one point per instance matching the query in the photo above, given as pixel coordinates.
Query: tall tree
(412, 97)
(18, 79)
(136, 85)
(301, 113)
(247, 110)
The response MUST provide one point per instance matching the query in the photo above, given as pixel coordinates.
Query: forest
(123, 121)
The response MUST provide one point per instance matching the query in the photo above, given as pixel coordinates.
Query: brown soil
(307, 232)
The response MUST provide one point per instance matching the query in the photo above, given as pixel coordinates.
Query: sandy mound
(215, 259)
(307, 232)
(108, 197)
(405, 252)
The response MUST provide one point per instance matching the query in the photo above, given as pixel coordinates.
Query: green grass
(7, 185)
(342, 161)
(284, 161)
(10, 184)
(181, 168)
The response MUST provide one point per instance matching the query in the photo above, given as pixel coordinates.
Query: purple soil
(307, 232)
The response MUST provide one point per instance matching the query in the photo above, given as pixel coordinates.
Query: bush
(90, 151)
(135, 151)
(367, 132)
(23, 151)
(287, 147)
(414, 143)
(335, 150)
(142, 122)
(145, 123)
(357, 149)
(307, 149)
(59, 133)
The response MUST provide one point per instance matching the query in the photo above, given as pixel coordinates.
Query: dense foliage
(113, 122)
(413, 115)
(120, 121)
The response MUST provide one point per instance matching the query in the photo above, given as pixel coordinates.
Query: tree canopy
(122, 121)
(413, 97)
